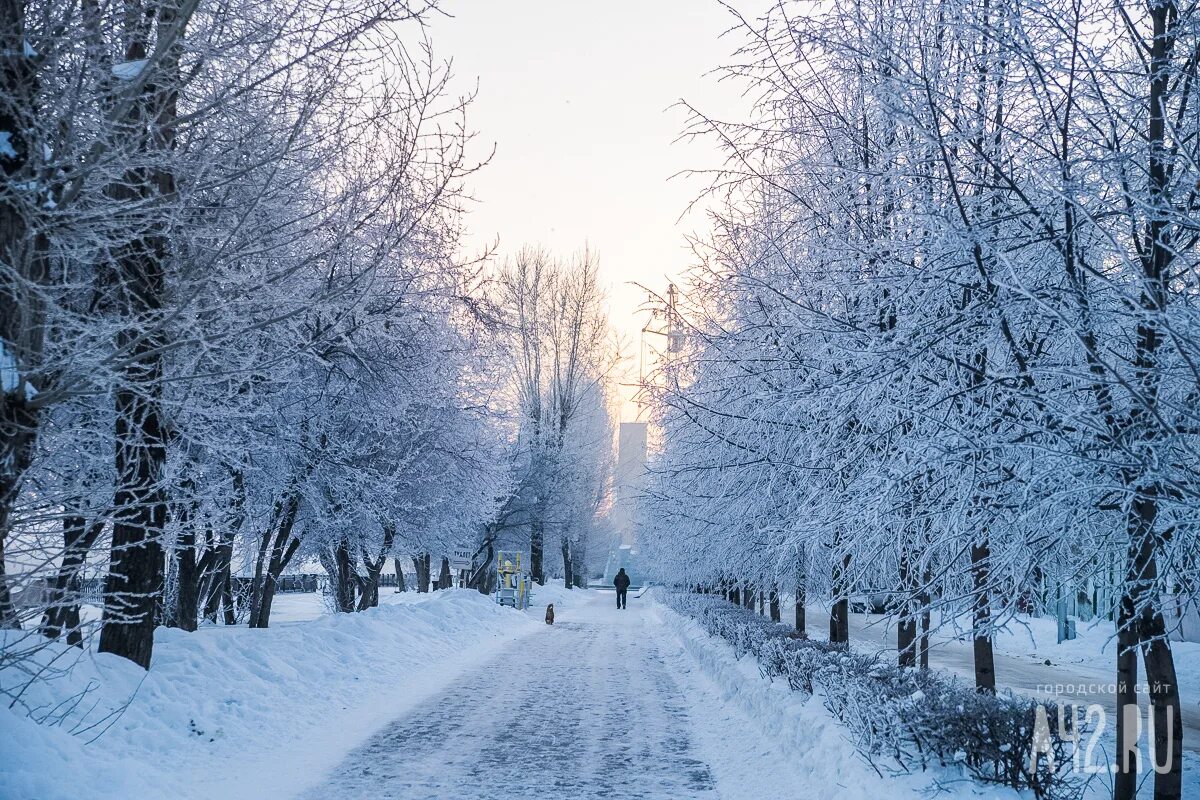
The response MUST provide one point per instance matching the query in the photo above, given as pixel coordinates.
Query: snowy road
(601, 705)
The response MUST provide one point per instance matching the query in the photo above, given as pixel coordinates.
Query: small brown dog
(550, 614)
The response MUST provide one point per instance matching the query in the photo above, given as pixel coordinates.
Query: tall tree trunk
(285, 547)
(906, 641)
(399, 574)
(187, 571)
(62, 611)
(1141, 598)
(259, 582)
(481, 577)
(18, 426)
(801, 599)
(1139, 615)
(274, 552)
(568, 566)
(374, 566)
(136, 563)
(276, 543)
(218, 591)
(981, 618)
(228, 598)
(22, 317)
(775, 613)
(537, 539)
(368, 590)
(926, 602)
(1125, 779)
(218, 598)
(906, 626)
(345, 579)
(445, 581)
(579, 563)
(839, 616)
(421, 563)
(1142, 516)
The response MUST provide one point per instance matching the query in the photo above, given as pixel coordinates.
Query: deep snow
(1080, 670)
(820, 761)
(818, 741)
(444, 695)
(234, 712)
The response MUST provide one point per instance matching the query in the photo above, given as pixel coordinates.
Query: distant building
(623, 557)
(629, 481)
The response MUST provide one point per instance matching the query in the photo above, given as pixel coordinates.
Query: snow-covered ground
(606, 704)
(821, 762)
(233, 712)
(818, 743)
(302, 606)
(446, 695)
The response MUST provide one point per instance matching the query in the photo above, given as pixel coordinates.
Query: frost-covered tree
(562, 358)
(235, 325)
(939, 345)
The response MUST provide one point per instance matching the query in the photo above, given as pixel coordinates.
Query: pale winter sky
(577, 98)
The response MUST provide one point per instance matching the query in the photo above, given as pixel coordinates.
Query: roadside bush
(914, 718)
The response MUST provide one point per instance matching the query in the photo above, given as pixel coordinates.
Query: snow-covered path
(600, 705)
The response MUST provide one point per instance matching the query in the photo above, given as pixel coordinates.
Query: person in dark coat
(622, 584)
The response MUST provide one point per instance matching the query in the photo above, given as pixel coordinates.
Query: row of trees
(236, 334)
(230, 309)
(942, 348)
(563, 362)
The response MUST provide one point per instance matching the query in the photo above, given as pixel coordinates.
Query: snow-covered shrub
(915, 718)
(921, 718)
(798, 661)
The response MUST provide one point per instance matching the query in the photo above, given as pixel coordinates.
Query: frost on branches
(942, 348)
(236, 333)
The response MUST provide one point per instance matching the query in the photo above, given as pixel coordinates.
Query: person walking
(622, 584)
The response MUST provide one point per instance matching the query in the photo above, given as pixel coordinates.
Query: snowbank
(819, 743)
(304, 606)
(815, 741)
(234, 712)
(562, 597)
(301, 606)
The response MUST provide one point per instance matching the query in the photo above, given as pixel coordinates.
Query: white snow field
(445, 696)
(233, 712)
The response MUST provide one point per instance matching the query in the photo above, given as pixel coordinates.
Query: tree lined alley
(929, 371)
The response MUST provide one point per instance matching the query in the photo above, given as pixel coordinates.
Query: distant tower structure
(664, 323)
(674, 329)
(629, 480)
